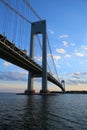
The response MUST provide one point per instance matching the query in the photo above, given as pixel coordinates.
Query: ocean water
(61, 112)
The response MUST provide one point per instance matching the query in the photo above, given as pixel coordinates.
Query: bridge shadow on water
(27, 113)
(36, 113)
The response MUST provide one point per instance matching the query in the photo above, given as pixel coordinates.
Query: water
(62, 112)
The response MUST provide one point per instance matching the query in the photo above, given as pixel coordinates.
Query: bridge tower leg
(38, 28)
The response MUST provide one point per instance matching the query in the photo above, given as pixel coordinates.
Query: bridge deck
(14, 55)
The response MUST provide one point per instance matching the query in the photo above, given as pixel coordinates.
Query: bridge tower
(63, 84)
(38, 28)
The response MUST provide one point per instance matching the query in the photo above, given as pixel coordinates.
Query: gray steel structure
(39, 28)
(12, 54)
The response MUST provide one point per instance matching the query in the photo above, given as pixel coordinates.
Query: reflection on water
(36, 112)
(62, 112)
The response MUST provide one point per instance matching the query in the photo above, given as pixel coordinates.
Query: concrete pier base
(31, 92)
(44, 92)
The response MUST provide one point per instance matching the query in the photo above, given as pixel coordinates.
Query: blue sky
(67, 32)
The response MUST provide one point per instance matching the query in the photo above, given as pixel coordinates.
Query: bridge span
(16, 56)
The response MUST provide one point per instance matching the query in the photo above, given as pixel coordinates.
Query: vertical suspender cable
(23, 17)
(6, 21)
(41, 49)
(15, 25)
(52, 58)
(28, 4)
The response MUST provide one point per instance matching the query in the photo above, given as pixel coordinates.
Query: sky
(67, 31)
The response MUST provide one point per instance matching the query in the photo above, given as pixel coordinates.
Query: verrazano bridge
(16, 30)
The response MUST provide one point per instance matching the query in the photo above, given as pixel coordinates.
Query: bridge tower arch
(38, 27)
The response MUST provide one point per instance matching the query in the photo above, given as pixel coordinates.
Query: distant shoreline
(71, 92)
(57, 92)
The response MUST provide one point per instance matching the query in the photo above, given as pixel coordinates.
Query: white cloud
(51, 32)
(39, 58)
(60, 50)
(76, 74)
(48, 55)
(64, 36)
(57, 57)
(84, 47)
(72, 44)
(67, 56)
(79, 54)
(64, 43)
(6, 64)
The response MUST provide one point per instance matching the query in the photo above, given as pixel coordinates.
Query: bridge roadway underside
(12, 54)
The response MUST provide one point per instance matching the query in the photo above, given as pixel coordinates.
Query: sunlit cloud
(60, 50)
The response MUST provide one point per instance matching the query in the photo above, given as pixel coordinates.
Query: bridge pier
(30, 89)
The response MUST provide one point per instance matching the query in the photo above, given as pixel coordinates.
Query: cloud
(67, 55)
(77, 78)
(64, 36)
(79, 54)
(6, 64)
(76, 75)
(71, 82)
(51, 32)
(56, 57)
(79, 75)
(64, 43)
(39, 58)
(14, 76)
(84, 47)
(72, 44)
(60, 50)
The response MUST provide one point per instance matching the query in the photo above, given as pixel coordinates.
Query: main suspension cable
(15, 11)
(35, 13)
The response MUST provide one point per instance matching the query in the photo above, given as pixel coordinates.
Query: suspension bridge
(16, 31)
